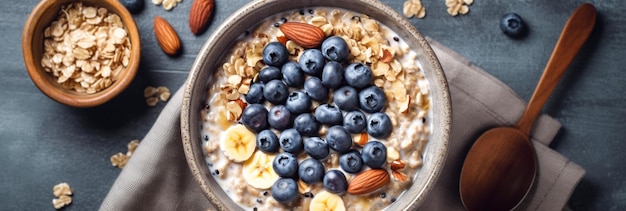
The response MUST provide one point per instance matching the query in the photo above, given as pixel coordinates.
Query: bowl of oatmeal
(81, 53)
(317, 105)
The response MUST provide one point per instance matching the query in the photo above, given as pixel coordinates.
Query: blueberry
(346, 98)
(314, 88)
(279, 117)
(312, 62)
(285, 190)
(358, 75)
(351, 161)
(275, 54)
(291, 141)
(316, 148)
(328, 114)
(292, 74)
(267, 141)
(374, 154)
(379, 125)
(335, 48)
(133, 6)
(269, 73)
(255, 93)
(254, 117)
(286, 165)
(298, 102)
(338, 139)
(335, 181)
(355, 121)
(332, 75)
(512, 25)
(311, 171)
(306, 124)
(372, 99)
(276, 92)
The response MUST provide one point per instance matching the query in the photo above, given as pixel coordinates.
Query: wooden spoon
(501, 166)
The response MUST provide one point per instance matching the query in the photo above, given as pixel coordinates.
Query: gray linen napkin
(157, 176)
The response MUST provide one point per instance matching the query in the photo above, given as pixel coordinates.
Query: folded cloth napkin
(157, 176)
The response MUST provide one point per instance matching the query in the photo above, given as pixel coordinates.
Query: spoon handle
(574, 34)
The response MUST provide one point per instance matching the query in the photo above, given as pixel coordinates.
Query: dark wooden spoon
(501, 165)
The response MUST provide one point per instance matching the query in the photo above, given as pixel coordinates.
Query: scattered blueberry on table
(133, 6)
(512, 25)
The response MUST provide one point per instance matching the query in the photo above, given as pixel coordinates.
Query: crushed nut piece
(399, 176)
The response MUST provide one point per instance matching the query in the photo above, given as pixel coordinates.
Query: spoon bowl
(507, 160)
(501, 166)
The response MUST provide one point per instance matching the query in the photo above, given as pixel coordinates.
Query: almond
(368, 181)
(387, 57)
(399, 176)
(200, 15)
(166, 36)
(303, 34)
(397, 165)
(282, 40)
(360, 138)
(241, 103)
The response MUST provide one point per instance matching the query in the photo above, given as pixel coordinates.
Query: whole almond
(200, 15)
(368, 181)
(303, 34)
(166, 36)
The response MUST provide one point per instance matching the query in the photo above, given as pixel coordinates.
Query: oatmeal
(340, 124)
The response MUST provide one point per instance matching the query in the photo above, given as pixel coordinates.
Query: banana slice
(238, 143)
(258, 171)
(327, 201)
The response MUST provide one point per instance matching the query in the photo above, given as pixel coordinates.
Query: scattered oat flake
(456, 7)
(149, 91)
(164, 96)
(132, 145)
(62, 192)
(62, 201)
(119, 160)
(414, 8)
(152, 101)
(61, 189)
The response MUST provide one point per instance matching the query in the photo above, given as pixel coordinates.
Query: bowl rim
(42, 79)
(189, 128)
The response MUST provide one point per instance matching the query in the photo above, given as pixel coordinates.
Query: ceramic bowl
(33, 49)
(213, 52)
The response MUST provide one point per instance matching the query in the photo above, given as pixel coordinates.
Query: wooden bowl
(33, 48)
(212, 55)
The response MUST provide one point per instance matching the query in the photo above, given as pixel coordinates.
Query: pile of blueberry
(291, 87)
